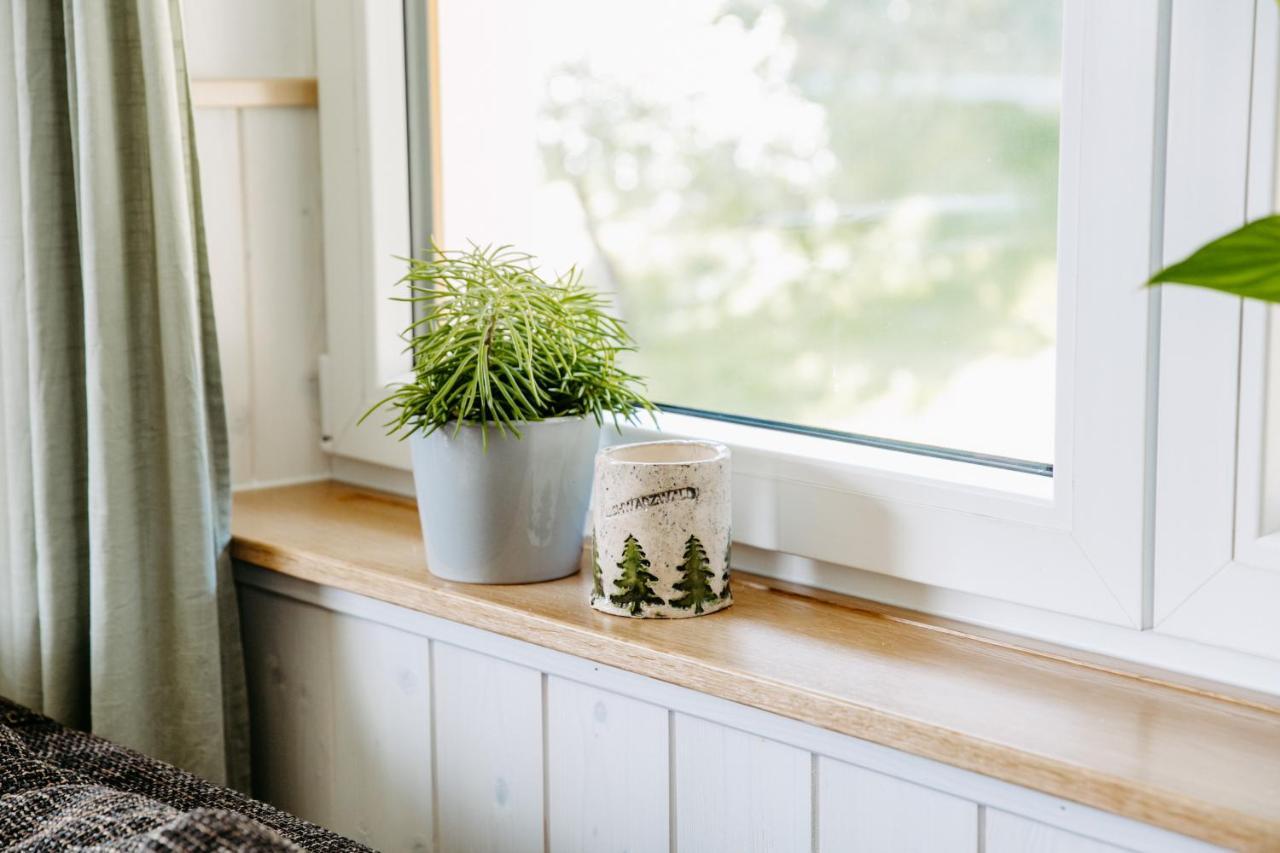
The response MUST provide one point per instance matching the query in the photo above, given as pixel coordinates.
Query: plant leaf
(1245, 262)
(499, 345)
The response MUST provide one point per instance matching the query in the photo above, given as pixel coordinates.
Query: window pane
(839, 214)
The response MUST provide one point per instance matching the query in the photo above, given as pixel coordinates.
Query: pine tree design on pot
(696, 575)
(726, 594)
(597, 576)
(635, 584)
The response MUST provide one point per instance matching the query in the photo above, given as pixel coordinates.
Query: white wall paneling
(1217, 565)
(290, 667)
(218, 141)
(286, 301)
(535, 747)
(260, 185)
(735, 790)
(861, 811)
(341, 717)
(1007, 833)
(489, 756)
(608, 771)
(381, 734)
(249, 38)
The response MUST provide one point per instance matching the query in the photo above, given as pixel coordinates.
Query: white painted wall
(409, 732)
(260, 177)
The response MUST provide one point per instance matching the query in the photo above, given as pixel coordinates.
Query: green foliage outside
(696, 576)
(499, 345)
(635, 585)
(888, 210)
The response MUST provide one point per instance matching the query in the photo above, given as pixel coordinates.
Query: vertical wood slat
(282, 214)
(607, 769)
(382, 735)
(340, 709)
(290, 677)
(861, 811)
(260, 183)
(1007, 833)
(489, 759)
(218, 147)
(738, 792)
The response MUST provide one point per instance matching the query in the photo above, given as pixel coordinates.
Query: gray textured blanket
(62, 789)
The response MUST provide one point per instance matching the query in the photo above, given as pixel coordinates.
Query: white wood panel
(382, 735)
(286, 290)
(289, 668)
(488, 753)
(607, 770)
(861, 811)
(249, 38)
(218, 146)
(1006, 833)
(736, 792)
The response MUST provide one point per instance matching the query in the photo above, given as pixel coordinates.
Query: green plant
(1245, 262)
(497, 344)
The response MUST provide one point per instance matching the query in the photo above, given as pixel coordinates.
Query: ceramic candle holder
(661, 530)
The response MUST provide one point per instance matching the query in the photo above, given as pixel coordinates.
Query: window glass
(831, 213)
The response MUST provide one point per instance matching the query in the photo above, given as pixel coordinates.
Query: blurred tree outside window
(834, 213)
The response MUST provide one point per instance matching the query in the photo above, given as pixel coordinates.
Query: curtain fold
(117, 610)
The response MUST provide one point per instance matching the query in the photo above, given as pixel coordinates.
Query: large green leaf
(1245, 262)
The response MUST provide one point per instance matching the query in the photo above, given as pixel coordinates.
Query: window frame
(1217, 563)
(1079, 544)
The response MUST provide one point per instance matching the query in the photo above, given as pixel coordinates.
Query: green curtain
(117, 609)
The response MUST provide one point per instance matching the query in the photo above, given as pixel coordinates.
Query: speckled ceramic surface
(661, 530)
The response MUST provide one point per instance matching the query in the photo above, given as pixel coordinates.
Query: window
(837, 215)
(925, 222)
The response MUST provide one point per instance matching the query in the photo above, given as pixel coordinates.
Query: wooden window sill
(1191, 758)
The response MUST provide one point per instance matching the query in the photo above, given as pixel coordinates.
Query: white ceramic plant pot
(661, 530)
(511, 513)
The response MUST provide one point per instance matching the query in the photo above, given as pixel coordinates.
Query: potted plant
(513, 375)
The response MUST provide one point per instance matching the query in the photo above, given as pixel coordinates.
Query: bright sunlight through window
(840, 215)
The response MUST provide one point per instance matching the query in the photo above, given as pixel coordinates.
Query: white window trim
(365, 181)
(1075, 546)
(1217, 565)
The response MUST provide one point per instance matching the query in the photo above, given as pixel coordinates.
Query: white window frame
(364, 164)
(1079, 544)
(1217, 563)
